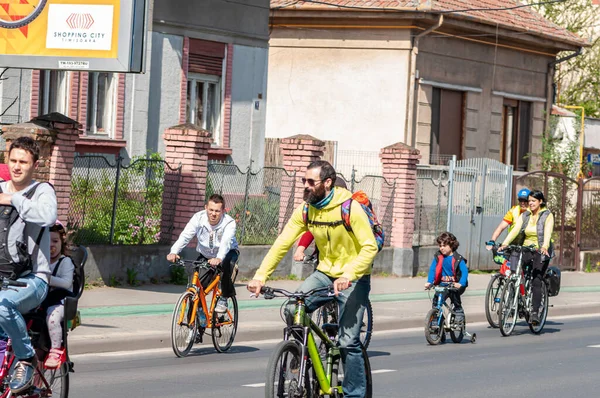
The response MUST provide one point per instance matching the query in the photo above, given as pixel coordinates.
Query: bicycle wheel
(337, 373)
(366, 330)
(543, 312)
(183, 334)
(224, 326)
(434, 327)
(58, 380)
(508, 313)
(457, 336)
(492, 299)
(283, 371)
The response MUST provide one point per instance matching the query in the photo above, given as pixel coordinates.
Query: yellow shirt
(531, 237)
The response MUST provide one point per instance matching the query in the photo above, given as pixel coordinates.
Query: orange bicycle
(193, 316)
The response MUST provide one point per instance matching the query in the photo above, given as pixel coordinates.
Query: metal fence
(253, 199)
(359, 163)
(590, 214)
(119, 203)
(431, 204)
(380, 193)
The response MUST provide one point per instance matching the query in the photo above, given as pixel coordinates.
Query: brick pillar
(187, 145)
(56, 135)
(298, 151)
(399, 165)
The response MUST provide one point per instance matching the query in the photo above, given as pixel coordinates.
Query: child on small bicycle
(61, 285)
(449, 268)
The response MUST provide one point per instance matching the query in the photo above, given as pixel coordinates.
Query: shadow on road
(211, 350)
(373, 354)
(87, 325)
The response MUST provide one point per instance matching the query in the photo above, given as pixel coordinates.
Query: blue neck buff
(325, 201)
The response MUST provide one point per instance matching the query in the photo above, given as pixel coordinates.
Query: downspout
(550, 80)
(411, 108)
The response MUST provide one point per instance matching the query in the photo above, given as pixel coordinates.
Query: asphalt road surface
(562, 362)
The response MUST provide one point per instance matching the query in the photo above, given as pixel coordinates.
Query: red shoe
(55, 358)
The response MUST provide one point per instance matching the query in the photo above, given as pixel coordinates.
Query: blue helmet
(523, 194)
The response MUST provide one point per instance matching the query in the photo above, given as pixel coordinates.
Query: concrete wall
(243, 21)
(340, 85)
(480, 67)
(149, 261)
(248, 92)
(592, 133)
(17, 83)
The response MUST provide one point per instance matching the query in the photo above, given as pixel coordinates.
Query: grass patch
(483, 271)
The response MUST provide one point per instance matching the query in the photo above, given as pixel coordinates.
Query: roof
(518, 19)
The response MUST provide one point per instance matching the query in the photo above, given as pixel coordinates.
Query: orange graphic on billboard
(17, 14)
(63, 28)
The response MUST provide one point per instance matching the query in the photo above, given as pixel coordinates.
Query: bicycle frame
(443, 309)
(304, 327)
(195, 287)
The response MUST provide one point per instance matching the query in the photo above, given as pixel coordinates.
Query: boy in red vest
(449, 268)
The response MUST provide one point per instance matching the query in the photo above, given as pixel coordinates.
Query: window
(446, 125)
(101, 103)
(203, 103)
(516, 133)
(53, 92)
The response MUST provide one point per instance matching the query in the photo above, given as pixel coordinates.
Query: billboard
(91, 35)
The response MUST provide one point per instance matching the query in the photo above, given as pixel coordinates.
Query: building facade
(206, 64)
(448, 82)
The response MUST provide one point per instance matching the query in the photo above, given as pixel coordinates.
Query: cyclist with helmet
(509, 220)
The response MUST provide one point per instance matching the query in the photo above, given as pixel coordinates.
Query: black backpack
(11, 267)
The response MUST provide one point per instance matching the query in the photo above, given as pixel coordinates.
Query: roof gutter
(411, 106)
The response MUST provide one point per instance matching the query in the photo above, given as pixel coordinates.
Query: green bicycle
(298, 368)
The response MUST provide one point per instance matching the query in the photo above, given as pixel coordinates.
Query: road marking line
(594, 346)
(383, 371)
(254, 385)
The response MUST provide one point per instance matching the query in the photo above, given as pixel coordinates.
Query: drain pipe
(411, 107)
(550, 79)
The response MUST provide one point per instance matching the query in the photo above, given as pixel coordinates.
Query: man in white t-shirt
(215, 232)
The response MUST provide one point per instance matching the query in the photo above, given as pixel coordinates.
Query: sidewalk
(116, 319)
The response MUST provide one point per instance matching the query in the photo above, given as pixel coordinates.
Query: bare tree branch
(8, 107)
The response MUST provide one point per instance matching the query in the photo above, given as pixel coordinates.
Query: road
(562, 362)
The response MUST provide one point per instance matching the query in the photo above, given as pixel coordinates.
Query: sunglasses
(310, 181)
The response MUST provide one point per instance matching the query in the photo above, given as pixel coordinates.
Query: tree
(578, 79)
(2, 78)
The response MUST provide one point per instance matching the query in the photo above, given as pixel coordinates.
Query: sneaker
(534, 318)
(22, 377)
(54, 358)
(221, 305)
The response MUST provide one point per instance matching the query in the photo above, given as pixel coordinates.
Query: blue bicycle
(442, 318)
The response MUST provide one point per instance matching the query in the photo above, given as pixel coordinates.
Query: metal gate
(479, 194)
(562, 195)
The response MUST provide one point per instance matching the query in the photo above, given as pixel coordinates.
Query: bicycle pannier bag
(552, 278)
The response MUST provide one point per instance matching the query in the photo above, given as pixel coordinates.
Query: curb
(163, 340)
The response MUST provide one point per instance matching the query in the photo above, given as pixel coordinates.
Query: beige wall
(346, 85)
(480, 67)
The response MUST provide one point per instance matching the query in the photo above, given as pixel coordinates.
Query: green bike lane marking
(167, 309)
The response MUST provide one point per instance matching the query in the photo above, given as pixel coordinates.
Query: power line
(436, 11)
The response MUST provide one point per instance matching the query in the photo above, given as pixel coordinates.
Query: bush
(260, 223)
(138, 210)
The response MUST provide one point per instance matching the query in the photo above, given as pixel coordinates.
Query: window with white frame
(101, 103)
(53, 92)
(203, 105)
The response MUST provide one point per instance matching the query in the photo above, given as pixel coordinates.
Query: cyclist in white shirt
(215, 232)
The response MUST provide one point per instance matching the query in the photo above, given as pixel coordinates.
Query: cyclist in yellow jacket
(534, 227)
(345, 259)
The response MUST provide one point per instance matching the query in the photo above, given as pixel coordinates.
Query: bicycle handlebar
(196, 263)
(271, 292)
(511, 248)
(5, 283)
